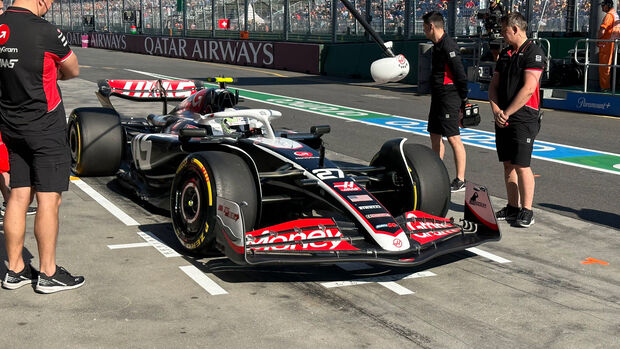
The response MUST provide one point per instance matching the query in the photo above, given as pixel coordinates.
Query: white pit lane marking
(398, 289)
(378, 96)
(617, 166)
(158, 244)
(137, 244)
(113, 209)
(385, 281)
(488, 255)
(203, 280)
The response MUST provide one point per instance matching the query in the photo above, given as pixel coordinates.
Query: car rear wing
(146, 90)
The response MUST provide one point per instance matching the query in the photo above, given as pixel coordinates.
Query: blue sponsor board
(586, 103)
(590, 103)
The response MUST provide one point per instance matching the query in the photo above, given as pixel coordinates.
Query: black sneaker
(60, 281)
(457, 185)
(508, 213)
(525, 218)
(29, 212)
(13, 280)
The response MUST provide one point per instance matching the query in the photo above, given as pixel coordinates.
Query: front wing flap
(324, 240)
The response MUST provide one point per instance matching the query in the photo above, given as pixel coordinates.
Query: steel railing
(587, 62)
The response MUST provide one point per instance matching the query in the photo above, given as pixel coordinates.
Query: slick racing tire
(200, 179)
(431, 178)
(414, 179)
(96, 140)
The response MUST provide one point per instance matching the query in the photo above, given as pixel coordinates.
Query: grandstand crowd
(306, 16)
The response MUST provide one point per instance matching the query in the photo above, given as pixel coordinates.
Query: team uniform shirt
(511, 67)
(448, 73)
(31, 49)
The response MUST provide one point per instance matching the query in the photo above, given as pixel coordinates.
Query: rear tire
(200, 179)
(96, 140)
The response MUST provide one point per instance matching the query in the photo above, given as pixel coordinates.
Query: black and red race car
(233, 183)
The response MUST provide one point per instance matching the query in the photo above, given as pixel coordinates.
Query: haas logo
(4, 34)
(8, 63)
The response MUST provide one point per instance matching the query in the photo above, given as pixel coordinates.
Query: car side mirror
(320, 130)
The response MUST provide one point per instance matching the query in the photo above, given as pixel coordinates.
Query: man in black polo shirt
(34, 54)
(448, 95)
(515, 101)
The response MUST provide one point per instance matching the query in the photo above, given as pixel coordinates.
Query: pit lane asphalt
(136, 297)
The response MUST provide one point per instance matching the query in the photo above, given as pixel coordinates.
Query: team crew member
(609, 30)
(515, 101)
(448, 95)
(34, 55)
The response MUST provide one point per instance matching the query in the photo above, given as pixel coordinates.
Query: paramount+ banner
(276, 55)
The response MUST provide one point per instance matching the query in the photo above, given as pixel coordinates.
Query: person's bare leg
(526, 186)
(460, 157)
(512, 186)
(437, 144)
(46, 230)
(4, 186)
(15, 226)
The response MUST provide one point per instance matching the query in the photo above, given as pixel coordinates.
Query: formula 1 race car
(233, 183)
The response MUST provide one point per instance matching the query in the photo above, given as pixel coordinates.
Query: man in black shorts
(448, 95)
(34, 55)
(515, 100)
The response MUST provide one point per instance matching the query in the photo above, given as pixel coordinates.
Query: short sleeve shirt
(511, 67)
(31, 50)
(447, 67)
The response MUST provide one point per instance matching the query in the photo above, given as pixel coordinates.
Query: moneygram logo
(5, 32)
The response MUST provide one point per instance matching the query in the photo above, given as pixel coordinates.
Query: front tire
(415, 178)
(202, 178)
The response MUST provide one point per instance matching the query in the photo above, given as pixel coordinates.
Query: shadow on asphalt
(215, 263)
(609, 219)
(26, 254)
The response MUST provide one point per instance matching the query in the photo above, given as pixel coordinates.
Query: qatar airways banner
(277, 55)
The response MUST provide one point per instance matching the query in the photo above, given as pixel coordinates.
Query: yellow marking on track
(245, 68)
(85, 66)
(74, 178)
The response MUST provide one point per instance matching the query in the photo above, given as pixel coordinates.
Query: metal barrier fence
(298, 20)
(587, 64)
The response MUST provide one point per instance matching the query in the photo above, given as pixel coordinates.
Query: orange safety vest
(611, 24)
